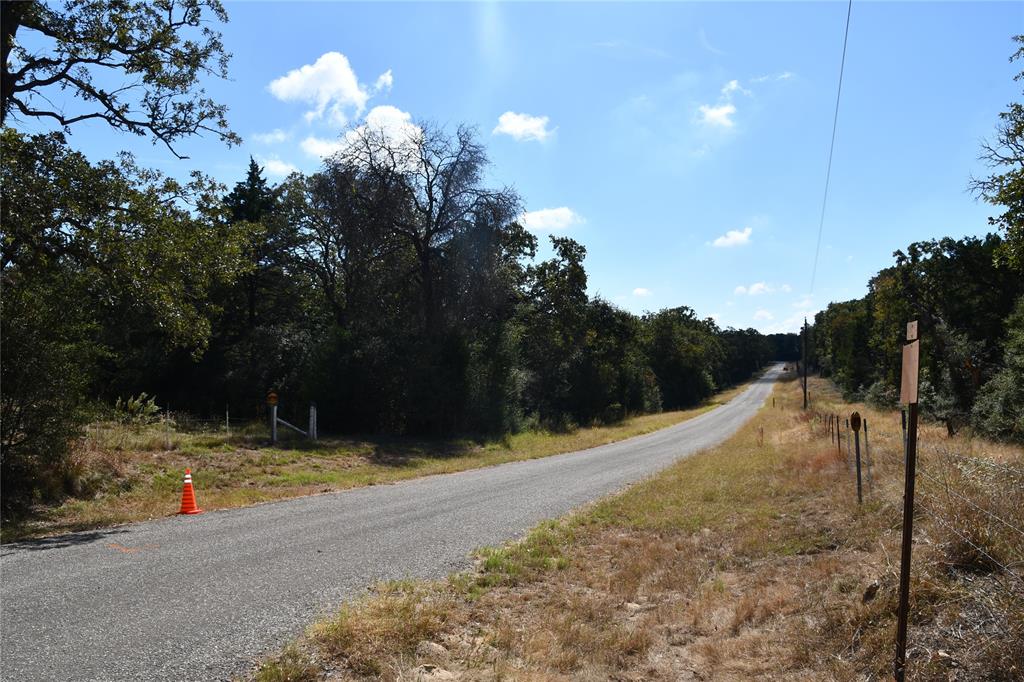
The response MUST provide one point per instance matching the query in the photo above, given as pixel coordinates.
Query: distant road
(202, 597)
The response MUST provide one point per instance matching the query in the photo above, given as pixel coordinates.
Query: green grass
(126, 474)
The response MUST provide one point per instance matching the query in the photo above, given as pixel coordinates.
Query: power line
(832, 145)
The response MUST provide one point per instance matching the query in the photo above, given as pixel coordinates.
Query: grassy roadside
(126, 474)
(749, 560)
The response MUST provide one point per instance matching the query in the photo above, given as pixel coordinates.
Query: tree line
(393, 286)
(968, 296)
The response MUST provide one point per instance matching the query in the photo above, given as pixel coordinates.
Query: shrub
(882, 395)
(137, 411)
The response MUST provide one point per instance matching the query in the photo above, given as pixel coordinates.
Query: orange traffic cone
(188, 496)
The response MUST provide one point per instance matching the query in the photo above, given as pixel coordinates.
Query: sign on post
(911, 362)
(908, 395)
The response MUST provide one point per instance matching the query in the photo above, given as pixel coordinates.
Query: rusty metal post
(855, 425)
(839, 442)
(849, 447)
(804, 355)
(903, 428)
(867, 456)
(908, 396)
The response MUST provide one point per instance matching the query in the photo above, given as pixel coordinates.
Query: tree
(554, 323)
(440, 178)
(1005, 187)
(999, 409)
(104, 265)
(684, 352)
(160, 48)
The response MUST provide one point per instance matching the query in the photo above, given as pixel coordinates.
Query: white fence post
(273, 423)
(312, 421)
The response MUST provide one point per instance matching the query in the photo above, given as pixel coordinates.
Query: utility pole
(804, 353)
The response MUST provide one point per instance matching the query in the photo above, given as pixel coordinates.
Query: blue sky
(649, 131)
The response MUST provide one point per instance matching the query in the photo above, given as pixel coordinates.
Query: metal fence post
(273, 423)
(312, 421)
(855, 424)
(908, 396)
(839, 443)
(903, 428)
(867, 456)
(849, 448)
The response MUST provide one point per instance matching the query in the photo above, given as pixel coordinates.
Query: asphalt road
(203, 597)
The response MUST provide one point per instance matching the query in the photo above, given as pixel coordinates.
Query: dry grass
(122, 474)
(745, 561)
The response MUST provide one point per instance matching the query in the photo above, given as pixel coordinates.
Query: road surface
(203, 597)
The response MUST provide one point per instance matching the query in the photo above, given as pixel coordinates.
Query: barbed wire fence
(974, 505)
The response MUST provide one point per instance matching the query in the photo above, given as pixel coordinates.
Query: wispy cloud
(384, 82)
(783, 76)
(702, 38)
(523, 126)
(763, 315)
(733, 238)
(550, 219)
(734, 86)
(755, 289)
(275, 136)
(803, 302)
(641, 291)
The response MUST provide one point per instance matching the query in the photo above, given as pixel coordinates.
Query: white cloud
(396, 125)
(763, 315)
(733, 238)
(317, 146)
(803, 302)
(783, 76)
(277, 168)
(641, 291)
(755, 289)
(550, 219)
(734, 86)
(786, 288)
(384, 81)
(275, 136)
(717, 115)
(329, 84)
(523, 126)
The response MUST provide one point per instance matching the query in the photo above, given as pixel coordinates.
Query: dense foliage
(393, 287)
(968, 296)
(964, 297)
